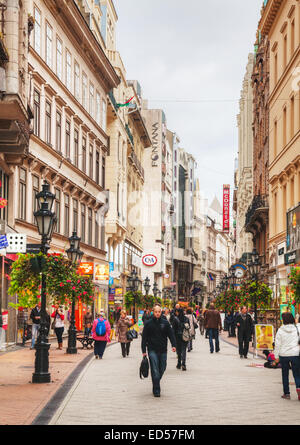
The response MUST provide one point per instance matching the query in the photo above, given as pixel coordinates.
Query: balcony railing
(113, 100)
(258, 202)
(133, 157)
(129, 134)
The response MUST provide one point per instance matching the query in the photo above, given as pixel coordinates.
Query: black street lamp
(46, 221)
(155, 290)
(147, 286)
(74, 255)
(254, 267)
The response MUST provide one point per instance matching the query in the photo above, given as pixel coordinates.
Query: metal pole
(41, 374)
(72, 349)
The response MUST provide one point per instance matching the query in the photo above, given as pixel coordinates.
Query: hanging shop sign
(226, 208)
(119, 291)
(86, 269)
(101, 272)
(149, 260)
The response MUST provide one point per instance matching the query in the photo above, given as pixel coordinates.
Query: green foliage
(230, 300)
(133, 299)
(294, 277)
(249, 292)
(62, 281)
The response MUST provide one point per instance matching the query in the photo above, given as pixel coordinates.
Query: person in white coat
(287, 352)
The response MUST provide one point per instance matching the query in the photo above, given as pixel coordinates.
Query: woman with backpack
(181, 329)
(101, 334)
(122, 328)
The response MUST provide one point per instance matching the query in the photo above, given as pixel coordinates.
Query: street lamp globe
(45, 196)
(45, 220)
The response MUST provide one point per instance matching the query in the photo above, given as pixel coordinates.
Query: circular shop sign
(149, 260)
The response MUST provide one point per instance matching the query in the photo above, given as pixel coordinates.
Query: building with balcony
(280, 25)
(244, 171)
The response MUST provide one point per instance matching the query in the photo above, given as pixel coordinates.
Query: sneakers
(286, 396)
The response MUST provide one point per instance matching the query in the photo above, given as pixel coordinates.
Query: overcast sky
(190, 58)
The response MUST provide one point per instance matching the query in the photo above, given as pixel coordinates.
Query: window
(36, 112)
(103, 172)
(48, 122)
(91, 157)
(83, 223)
(68, 70)
(84, 90)
(96, 231)
(84, 154)
(98, 109)
(76, 81)
(37, 30)
(75, 215)
(92, 98)
(104, 115)
(58, 131)
(48, 45)
(292, 37)
(35, 190)
(292, 120)
(67, 215)
(22, 193)
(57, 209)
(90, 227)
(284, 127)
(97, 167)
(59, 58)
(76, 147)
(68, 139)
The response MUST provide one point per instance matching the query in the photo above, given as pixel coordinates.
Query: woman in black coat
(179, 321)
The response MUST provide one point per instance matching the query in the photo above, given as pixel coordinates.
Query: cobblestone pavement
(216, 389)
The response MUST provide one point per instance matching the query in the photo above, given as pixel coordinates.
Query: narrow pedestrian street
(216, 389)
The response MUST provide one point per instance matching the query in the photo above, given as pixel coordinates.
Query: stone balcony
(257, 214)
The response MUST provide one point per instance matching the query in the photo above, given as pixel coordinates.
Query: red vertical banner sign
(226, 208)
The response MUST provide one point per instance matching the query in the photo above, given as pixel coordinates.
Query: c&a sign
(149, 260)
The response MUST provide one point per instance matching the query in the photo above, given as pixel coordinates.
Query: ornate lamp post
(147, 286)
(45, 220)
(74, 255)
(254, 269)
(155, 290)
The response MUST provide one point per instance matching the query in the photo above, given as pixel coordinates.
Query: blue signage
(3, 242)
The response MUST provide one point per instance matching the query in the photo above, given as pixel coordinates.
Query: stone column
(12, 45)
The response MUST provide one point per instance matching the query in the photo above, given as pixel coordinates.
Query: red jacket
(61, 316)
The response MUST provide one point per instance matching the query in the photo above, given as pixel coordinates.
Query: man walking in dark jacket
(213, 323)
(155, 338)
(35, 316)
(245, 326)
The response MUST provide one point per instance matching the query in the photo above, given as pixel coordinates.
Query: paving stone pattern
(216, 389)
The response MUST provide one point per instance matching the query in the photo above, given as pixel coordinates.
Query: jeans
(125, 347)
(158, 365)
(285, 366)
(181, 351)
(87, 331)
(34, 333)
(99, 347)
(231, 330)
(59, 332)
(214, 334)
(243, 344)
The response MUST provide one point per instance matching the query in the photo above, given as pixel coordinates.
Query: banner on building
(5, 320)
(226, 208)
(101, 272)
(86, 268)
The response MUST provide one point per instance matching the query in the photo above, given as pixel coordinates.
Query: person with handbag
(181, 326)
(213, 324)
(87, 322)
(155, 337)
(193, 326)
(122, 330)
(287, 350)
(58, 325)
